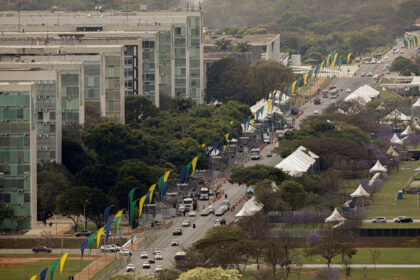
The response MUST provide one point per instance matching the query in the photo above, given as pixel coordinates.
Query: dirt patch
(15, 261)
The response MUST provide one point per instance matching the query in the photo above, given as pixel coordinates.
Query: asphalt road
(190, 235)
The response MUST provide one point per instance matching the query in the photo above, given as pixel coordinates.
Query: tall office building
(18, 154)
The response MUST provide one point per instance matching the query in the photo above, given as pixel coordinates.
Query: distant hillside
(325, 23)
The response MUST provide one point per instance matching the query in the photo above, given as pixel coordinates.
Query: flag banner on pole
(98, 237)
(117, 223)
(224, 148)
(269, 105)
(146, 201)
(166, 176)
(119, 213)
(227, 137)
(52, 268)
(160, 183)
(43, 274)
(83, 246)
(348, 58)
(106, 214)
(231, 123)
(34, 277)
(131, 194)
(91, 240)
(151, 191)
(194, 163)
(107, 229)
(189, 166)
(182, 175)
(133, 207)
(63, 261)
(141, 203)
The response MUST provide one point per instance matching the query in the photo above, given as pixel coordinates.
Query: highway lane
(164, 236)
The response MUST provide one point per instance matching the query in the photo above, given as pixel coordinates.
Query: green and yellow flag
(334, 61)
(34, 277)
(53, 265)
(98, 237)
(117, 223)
(348, 58)
(166, 176)
(194, 161)
(63, 261)
(227, 139)
(119, 213)
(141, 204)
(151, 190)
(294, 86)
(270, 102)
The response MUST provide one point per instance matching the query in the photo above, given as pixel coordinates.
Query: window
(5, 197)
(178, 31)
(27, 197)
(91, 92)
(20, 114)
(40, 116)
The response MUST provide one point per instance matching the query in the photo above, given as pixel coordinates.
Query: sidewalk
(254, 266)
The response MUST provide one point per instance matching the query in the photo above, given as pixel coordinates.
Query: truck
(255, 154)
(204, 193)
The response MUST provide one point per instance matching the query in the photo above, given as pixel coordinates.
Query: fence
(389, 232)
(113, 268)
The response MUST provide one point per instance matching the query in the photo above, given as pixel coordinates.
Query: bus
(204, 193)
(255, 154)
(188, 203)
(180, 257)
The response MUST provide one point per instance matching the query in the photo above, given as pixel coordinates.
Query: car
(130, 267)
(192, 214)
(156, 250)
(317, 101)
(269, 155)
(41, 249)
(125, 252)
(348, 90)
(177, 231)
(158, 268)
(379, 220)
(152, 260)
(386, 57)
(363, 74)
(384, 68)
(186, 223)
(403, 220)
(175, 242)
(159, 257)
(146, 265)
(204, 212)
(86, 233)
(379, 61)
(222, 221)
(324, 93)
(211, 207)
(316, 112)
(370, 74)
(144, 255)
(217, 224)
(110, 248)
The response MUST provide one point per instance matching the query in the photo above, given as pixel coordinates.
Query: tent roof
(396, 115)
(416, 126)
(298, 162)
(364, 94)
(407, 131)
(360, 192)
(417, 104)
(378, 167)
(250, 208)
(391, 152)
(264, 103)
(396, 140)
(335, 217)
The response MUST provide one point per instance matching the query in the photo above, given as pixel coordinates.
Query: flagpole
(88, 266)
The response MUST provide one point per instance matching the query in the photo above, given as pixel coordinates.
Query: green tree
(71, 202)
(252, 175)
(404, 66)
(243, 47)
(99, 176)
(359, 43)
(266, 194)
(293, 194)
(122, 188)
(74, 156)
(223, 44)
(137, 109)
(168, 274)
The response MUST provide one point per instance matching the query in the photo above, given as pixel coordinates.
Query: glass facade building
(112, 85)
(148, 76)
(69, 88)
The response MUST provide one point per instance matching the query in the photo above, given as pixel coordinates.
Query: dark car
(41, 249)
(177, 231)
(222, 221)
(317, 101)
(86, 233)
(403, 220)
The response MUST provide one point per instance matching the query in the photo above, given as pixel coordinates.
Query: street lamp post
(84, 214)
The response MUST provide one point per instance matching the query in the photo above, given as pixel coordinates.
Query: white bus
(204, 193)
(188, 203)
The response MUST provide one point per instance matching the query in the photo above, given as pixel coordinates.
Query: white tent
(416, 126)
(335, 217)
(378, 167)
(391, 152)
(262, 106)
(396, 115)
(396, 140)
(250, 208)
(407, 131)
(298, 162)
(360, 192)
(417, 104)
(363, 94)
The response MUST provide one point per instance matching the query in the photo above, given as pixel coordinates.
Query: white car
(186, 223)
(348, 90)
(130, 267)
(158, 268)
(144, 255)
(125, 252)
(192, 214)
(159, 257)
(146, 265)
(174, 242)
(217, 224)
(316, 112)
(204, 212)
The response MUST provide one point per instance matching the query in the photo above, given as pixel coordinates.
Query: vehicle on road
(204, 212)
(266, 139)
(130, 267)
(86, 233)
(186, 223)
(403, 219)
(370, 74)
(177, 231)
(255, 154)
(188, 203)
(316, 112)
(324, 93)
(211, 207)
(317, 101)
(146, 265)
(379, 220)
(175, 242)
(110, 248)
(222, 221)
(204, 193)
(152, 260)
(217, 224)
(158, 268)
(41, 249)
(249, 192)
(363, 74)
(226, 203)
(125, 252)
(180, 257)
(192, 214)
(269, 155)
(159, 257)
(144, 255)
(348, 90)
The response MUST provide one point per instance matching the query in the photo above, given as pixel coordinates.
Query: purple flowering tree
(313, 238)
(326, 274)
(383, 159)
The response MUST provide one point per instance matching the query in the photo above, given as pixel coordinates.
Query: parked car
(86, 233)
(403, 219)
(379, 220)
(146, 265)
(144, 255)
(110, 248)
(125, 252)
(174, 242)
(177, 231)
(186, 223)
(41, 249)
(130, 267)
(158, 268)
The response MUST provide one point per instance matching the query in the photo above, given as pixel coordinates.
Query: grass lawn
(357, 274)
(384, 203)
(25, 271)
(90, 226)
(391, 225)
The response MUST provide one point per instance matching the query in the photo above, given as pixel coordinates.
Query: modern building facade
(18, 154)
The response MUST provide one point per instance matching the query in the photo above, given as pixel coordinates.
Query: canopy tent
(407, 131)
(360, 192)
(335, 217)
(298, 162)
(417, 104)
(250, 208)
(363, 94)
(263, 103)
(395, 140)
(396, 115)
(391, 152)
(416, 126)
(378, 167)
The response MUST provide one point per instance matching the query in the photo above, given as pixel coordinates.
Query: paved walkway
(254, 266)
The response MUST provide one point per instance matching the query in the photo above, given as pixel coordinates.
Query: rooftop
(253, 40)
